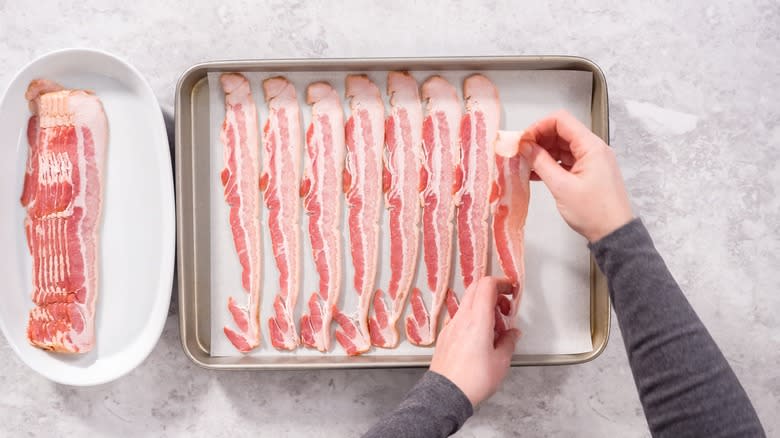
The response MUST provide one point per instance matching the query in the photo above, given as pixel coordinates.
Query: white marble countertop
(695, 121)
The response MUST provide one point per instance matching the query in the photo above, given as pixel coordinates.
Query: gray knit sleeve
(434, 407)
(686, 386)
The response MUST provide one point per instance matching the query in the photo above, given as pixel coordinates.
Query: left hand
(468, 351)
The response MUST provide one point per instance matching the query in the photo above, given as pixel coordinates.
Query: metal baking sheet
(192, 173)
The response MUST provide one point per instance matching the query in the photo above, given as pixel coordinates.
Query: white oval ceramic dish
(137, 233)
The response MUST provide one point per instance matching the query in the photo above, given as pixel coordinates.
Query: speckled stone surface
(695, 120)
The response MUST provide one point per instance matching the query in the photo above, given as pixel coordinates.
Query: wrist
(456, 387)
(608, 228)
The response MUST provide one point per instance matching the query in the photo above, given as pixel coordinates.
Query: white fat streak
(44, 256)
(252, 233)
(54, 167)
(51, 255)
(445, 252)
(288, 150)
(65, 251)
(361, 164)
(80, 201)
(60, 247)
(37, 232)
(471, 187)
(330, 246)
(403, 156)
(436, 172)
(238, 153)
(370, 217)
(330, 240)
(237, 174)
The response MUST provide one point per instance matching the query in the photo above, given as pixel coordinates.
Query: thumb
(505, 345)
(550, 172)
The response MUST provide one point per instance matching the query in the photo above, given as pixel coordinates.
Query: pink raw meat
(240, 179)
(440, 180)
(403, 136)
(478, 132)
(321, 191)
(281, 166)
(510, 211)
(63, 186)
(363, 187)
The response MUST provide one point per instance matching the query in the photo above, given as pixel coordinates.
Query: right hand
(581, 172)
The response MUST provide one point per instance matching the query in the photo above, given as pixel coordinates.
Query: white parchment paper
(555, 310)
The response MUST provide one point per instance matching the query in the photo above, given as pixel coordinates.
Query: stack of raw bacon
(441, 164)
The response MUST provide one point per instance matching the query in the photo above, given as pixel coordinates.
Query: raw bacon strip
(321, 191)
(240, 177)
(478, 132)
(365, 136)
(281, 166)
(440, 180)
(68, 135)
(510, 211)
(403, 136)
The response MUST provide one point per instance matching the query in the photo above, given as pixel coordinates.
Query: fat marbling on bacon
(240, 179)
(363, 187)
(440, 180)
(63, 186)
(512, 196)
(321, 191)
(282, 140)
(403, 137)
(478, 132)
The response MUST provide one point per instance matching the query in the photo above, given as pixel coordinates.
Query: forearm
(435, 407)
(685, 384)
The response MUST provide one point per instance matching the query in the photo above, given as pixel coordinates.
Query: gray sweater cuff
(631, 235)
(434, 407)
(442, 393)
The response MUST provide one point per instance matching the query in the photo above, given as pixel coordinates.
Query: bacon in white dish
(478, 132)
(403, 137)
(512, 193)
(440, 180)
(240, 178)
(365, 135)
(321, 191)
(282, 139)
(63, 186)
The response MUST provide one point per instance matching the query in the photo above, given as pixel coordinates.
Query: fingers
(558, 124)
(486, 295)
(468, 296)
(546, 168)
(561, 131)
(505, 344)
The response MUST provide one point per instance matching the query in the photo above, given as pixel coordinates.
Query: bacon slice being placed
(279, 184)
(440, 180)
(240, 179)
(321, 190)
(365, 136)
(63, 186)
(403, 136)
(510, 211)
(478, 132)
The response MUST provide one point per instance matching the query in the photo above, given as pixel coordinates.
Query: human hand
(468, 351)
(587, 185)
